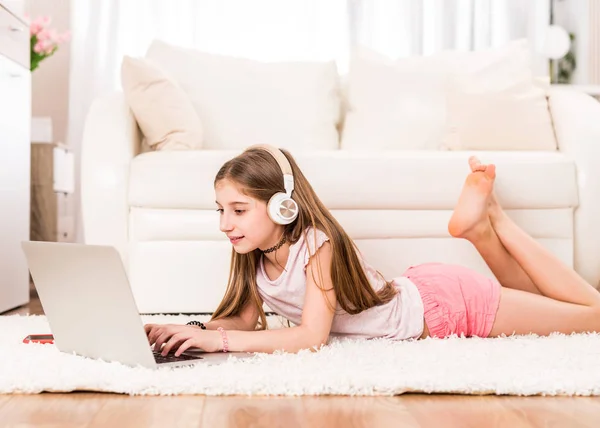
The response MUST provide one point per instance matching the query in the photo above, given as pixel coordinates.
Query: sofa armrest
(111, 138)
(576, 119)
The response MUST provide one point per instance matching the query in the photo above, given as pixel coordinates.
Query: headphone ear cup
(282, 209)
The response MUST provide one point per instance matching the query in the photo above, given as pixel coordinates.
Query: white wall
(50, 84)
(50, 81)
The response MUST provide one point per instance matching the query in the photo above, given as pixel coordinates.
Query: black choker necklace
(276, 247)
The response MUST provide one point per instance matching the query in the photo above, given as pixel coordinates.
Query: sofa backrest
(482, 100)
(241, 102)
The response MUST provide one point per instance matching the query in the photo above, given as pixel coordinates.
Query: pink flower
(47, 39)
(35, 28)
(39, 47)
(43, 35)
(39, 24)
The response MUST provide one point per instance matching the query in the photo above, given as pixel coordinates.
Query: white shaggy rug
(525, 365)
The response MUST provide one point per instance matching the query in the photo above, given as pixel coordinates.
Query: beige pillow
(394, 104)
(495, 102)
(499, 121)
(163, 111)
(290, 104)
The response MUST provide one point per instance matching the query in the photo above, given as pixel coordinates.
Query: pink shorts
(457, 300)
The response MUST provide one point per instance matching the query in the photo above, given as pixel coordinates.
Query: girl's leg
(523, 313)
(568, 304)
(552, 277)
(470, 221)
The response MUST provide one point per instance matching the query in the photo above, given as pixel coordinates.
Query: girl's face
(244, 219)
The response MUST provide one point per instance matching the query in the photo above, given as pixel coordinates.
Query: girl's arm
(245, 321)
(317, 315)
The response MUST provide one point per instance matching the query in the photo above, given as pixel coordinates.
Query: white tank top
(400, 318)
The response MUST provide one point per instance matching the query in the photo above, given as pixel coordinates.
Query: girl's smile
(235, 239)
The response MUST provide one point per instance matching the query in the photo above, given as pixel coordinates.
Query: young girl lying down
(290, 253)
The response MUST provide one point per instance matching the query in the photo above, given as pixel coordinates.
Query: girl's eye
(237, 212)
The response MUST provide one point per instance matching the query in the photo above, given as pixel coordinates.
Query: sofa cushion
(478, 100)
(161, 108)
(241, 102)
(398, 179)
(499, 121)
(171, 224)
(403, 102)
(494, 102)
(185, 249)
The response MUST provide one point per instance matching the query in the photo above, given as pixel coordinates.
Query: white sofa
(157, 208)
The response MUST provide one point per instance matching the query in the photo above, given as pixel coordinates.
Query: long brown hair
(259, 176)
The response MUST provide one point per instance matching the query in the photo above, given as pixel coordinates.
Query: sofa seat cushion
(376, 180)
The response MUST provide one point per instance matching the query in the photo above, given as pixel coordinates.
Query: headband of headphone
(286, 168)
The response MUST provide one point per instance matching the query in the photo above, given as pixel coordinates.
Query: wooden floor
(410, 410)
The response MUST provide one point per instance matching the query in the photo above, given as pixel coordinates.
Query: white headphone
(282, 209)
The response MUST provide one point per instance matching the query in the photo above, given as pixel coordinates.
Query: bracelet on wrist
(198, 323)
(224, 338)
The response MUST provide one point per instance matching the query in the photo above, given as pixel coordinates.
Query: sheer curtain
(275, 30)
(259, 29)
(400, 28)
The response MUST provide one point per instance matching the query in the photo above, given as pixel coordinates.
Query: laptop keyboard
(171, 358)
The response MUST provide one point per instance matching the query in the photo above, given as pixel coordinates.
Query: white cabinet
(15, 116)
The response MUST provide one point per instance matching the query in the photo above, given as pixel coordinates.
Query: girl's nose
(225, 224)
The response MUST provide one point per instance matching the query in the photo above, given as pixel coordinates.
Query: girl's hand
(180, 338)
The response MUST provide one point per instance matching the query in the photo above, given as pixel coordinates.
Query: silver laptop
(87, 299)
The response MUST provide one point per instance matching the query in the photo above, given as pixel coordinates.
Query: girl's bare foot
(470, 218)
(494, 209)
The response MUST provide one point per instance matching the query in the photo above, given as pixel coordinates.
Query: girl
(290, 252)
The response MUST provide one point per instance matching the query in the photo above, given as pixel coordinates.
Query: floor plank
(358, 412)
(99, 410)
(4, 399)
(557, 411)
(457, 411)
(307, 411)
(52, 410)
(151, 411)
